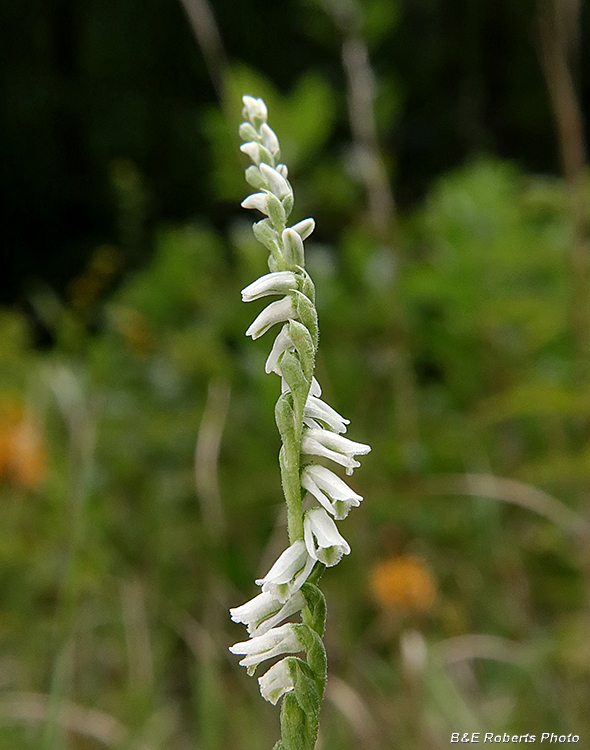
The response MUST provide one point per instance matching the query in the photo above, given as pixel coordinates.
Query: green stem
(289, 462)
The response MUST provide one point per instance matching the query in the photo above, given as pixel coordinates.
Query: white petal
(269, 139)
(288, 563)
(277, 641)
(256, 610)
(335, 447)
(340, 443)
(256, 200)
(322, 538)
(315, 408)
(283, 343)
(282, 169)
(314, 448)
(288, 573)
(304, 228)
(279, 282)
(294, 604)
(252, 149)
(276, 312)
(338, 498)
(276, 682)
(315, 389)
(277, 183)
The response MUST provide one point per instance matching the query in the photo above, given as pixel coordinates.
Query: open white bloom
(265, 612)
(322, 538)
(278, 282)
(288, 573)
(276, 682)
(282, 344)
(318, 442)
(254, 109)
(276, 312)
(316, 409)
(274, 642)
(329, 490)
(277, 183)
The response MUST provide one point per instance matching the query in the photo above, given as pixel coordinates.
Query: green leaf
(300, 709)
(276, 212)
(254, 178)
(285, 419)
(248, 132)
(308, 315)
(307, 285)
(316, 656)
(316, 603)
(295, 378)
(288, 202)
(301, 337)
(270, 238)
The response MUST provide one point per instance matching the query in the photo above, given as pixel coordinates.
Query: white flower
(276, 312)
(256, 200)
(253, 150)
(315, 408)
(277, 641)
(254, 109)
(276, 682)
(304, 228)
(269, 139)
(283, 170)
(288, 573)
(322, 539)
(278, 282)
(265, 612)
(318, 442)
(329, 490)
(282, 344)
(277, 183)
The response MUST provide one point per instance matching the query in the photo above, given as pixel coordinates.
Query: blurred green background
(440, 148)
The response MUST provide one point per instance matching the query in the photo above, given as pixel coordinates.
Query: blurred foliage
(85, 85)
(459, 609)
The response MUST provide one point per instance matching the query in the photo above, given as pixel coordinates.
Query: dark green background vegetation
(85, 84)
(139, 484)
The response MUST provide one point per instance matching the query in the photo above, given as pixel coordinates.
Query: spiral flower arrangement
(310, 429)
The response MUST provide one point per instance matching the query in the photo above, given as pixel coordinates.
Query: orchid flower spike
(309, 429)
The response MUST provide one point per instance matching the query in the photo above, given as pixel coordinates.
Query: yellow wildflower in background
(22, 449)
(403, 583)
